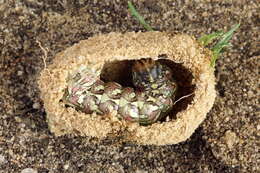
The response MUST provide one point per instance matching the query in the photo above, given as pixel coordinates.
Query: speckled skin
(147, 103)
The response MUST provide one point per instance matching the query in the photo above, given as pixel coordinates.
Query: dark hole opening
(121, 72)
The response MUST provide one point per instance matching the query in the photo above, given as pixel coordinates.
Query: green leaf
(224, 42)
(207, 39)
(139, 17)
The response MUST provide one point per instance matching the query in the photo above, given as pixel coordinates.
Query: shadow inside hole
(121, 72)
(183, 77)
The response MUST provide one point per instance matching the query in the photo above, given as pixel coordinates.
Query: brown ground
(225, 142)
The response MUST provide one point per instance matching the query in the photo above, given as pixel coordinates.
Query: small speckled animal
(150, 100)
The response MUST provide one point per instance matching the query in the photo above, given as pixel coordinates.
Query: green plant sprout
(207, 39)
(139, 17)
(217, 49)
(223, 42)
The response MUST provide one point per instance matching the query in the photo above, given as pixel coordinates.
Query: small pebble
(29, 170)
(18, 119)
(141, 171)
(230, 139)
(36, 105)
(20, 73)
(66, 166)
(2, 160)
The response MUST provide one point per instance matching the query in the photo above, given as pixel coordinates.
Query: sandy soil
(228, 141)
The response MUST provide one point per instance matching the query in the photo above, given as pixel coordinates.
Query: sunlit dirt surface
(225, 142)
